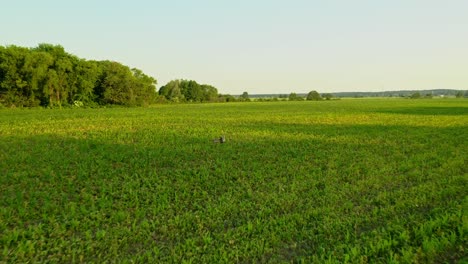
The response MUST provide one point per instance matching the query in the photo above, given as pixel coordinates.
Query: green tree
(116, 86)
(226, 98)
(295, 97)
(292, 96)
(88, 73)
(36, 70)
(314, 96)
(210, 93)
(51, 87)
(416, 95)
(172, 91)
(164, 91)
(49, 76)
(14, 88)
(244, 96)
(61, 87)
(145, 87)
(192, 91)
(64, 90)
(327, 96)
(188, 90)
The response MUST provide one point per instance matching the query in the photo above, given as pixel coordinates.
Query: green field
(359, 181)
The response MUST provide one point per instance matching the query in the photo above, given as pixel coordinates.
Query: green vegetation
(314, 96)
(328, 96)
(244, 97)
(189, 91)
(295, 97)
(436, 93)
(403, 93)
(348, 181)
(50, 77)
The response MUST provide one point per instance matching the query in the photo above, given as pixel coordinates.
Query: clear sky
(260, 46)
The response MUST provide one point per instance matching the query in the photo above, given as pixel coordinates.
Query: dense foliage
(183, 91)
(244, 97)
(313, 96)
(49, 76)
(188, 91)
(295, 97)
(347, 181)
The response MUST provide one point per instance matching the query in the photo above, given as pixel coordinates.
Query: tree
(313, 96)
(188, 90)
(64, 88)
(292, 97)
(226, 98)
(244, 96)
(327, 96)
(36, 70)
(13, 84)
(192, 91)
(460, 94)
(171, 91)
(50, 88)
(115, 84)
(416, 95)
(61, 87)
(295, 97)
(210, 93)
(87, 76)
(144, 87)
(49, 76)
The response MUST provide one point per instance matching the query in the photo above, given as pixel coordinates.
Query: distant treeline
(191, 91)
(48, 76)
(403, 93)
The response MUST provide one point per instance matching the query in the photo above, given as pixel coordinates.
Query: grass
(358, 181)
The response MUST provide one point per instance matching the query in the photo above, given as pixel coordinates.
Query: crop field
(345, 181)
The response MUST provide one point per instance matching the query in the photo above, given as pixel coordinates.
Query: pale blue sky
(260, 46)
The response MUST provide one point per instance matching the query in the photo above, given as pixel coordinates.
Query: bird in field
(221, 140)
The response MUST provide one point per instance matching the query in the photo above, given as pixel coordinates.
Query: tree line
(190, 91)
(49, 76)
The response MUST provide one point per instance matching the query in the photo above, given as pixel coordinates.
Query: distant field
(359, 181)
